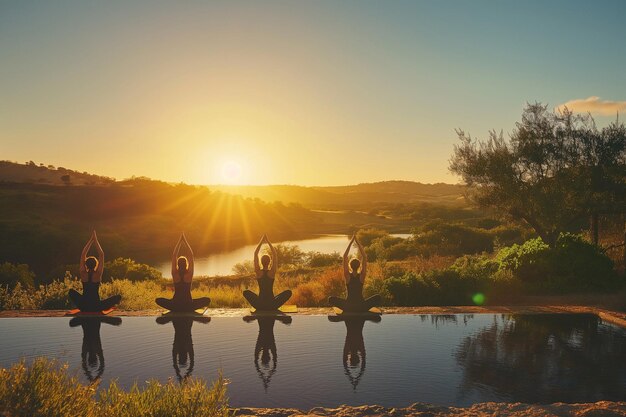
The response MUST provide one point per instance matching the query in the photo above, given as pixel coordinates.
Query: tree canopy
(556, 168)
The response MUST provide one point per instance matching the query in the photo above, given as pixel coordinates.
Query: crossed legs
(267, 305)
(83, 305)
(178, 305)
(363, 306)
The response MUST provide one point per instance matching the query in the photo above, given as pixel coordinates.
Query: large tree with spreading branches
(555, 169)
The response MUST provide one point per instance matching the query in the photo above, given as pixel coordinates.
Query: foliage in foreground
(46, 388)
(572, 266)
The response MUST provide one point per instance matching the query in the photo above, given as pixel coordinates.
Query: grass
(46, 388)
(433, 280)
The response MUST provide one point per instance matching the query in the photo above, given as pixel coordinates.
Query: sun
(231, 172)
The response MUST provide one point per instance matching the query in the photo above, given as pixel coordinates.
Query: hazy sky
(312, 93)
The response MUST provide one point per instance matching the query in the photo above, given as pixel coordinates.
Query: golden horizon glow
(313, 93)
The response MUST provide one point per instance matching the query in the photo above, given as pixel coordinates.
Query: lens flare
(478, 298)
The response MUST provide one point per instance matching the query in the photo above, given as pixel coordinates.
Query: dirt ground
(599, 409)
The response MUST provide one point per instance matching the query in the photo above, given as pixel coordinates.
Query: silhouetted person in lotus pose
(355, 278)
(266, 301)
(182, 274)
(92, 356)
(183, 357)
(90, 272)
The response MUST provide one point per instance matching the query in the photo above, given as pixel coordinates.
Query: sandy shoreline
(601, 408)
(611, 316)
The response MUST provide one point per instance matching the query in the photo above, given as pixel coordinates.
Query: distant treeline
(45, 226)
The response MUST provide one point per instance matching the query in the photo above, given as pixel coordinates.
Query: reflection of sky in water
(448, 360)
(222, 263)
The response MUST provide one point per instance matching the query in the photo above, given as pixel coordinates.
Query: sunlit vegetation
(44, 223)
(532, 268)
(46, 388)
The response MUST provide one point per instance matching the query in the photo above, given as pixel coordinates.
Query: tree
(11, 275)
(66, 179)
(556, 169)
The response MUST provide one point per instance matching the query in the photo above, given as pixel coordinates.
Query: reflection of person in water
(182, 274)
(265, 355)
(266, 301)
(182, 348)
(354, 283)
(92, 356)
(90, 272)
(354, 346)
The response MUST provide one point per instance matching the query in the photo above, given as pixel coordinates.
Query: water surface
(307, 361)
(221, 263)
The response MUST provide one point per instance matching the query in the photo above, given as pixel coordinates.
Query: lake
(307, 361)
(221, 263)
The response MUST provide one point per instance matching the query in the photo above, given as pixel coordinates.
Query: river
(221, 263)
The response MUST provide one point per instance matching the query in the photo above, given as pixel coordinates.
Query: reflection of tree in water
(92, 355)
(546, 358)
(437, 319)
(265, 354)
(183, 357)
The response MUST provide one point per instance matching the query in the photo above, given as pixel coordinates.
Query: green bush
(243, 268)
(46, 388)
(434, 288)
(388, 248)
(367, 236)
(573, 265)
(125, 268)
(318, 259)
(452, 239)
(11, 275)
(289, 255)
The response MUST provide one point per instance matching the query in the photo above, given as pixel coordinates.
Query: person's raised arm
(257, 267)
(191, 263)
(100, 268)
(346, 269)
(363, 260)
(274, 258)
(83, 255)
(175, 256)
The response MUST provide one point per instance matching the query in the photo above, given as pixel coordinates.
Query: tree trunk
(624, 247)
(593, 228)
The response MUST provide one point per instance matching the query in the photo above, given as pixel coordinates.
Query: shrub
(318, 259)
(289, 255)
(388, 248)
(243, 268)
(316, 291)
(125, 268)
(11, 275)
(46, 388)
(367, 236)
(572, 265)
(452, 239)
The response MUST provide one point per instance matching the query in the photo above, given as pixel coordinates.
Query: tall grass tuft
(46, 388)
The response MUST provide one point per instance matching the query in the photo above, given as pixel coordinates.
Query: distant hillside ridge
(33, 173)
(315, 197)
(349, 196)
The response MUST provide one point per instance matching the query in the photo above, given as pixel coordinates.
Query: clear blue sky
(315, 92)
